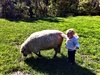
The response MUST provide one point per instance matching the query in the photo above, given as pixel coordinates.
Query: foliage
(88, 7)
(19, 9)
(63, 7)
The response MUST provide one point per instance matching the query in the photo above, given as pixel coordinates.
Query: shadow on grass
(56, 66)
(49, 19)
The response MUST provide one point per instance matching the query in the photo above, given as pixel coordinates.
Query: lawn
(14, 33)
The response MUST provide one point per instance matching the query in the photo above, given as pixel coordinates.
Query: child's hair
(70, 31)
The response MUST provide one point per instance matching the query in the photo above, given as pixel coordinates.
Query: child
(71, 44)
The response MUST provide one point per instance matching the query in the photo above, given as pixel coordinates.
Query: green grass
(13, 34)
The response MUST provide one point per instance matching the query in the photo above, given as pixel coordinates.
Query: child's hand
(77, 47)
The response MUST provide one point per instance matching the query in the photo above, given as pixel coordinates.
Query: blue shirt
(72, 43)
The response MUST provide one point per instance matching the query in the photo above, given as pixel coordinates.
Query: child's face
(69, 36)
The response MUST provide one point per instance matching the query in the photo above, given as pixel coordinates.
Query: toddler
(72, 44)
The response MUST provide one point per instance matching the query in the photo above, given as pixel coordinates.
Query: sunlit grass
(13, 34)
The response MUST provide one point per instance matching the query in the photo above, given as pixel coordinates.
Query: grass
(13, 34)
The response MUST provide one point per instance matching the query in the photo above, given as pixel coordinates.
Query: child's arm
(76, 44)
(76, 36)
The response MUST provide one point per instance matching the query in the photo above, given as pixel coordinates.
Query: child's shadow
(56, 66)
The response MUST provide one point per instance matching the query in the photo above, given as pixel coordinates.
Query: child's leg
(73, 56)
(69, 55)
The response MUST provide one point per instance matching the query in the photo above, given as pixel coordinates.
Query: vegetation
(13, 34)
(18, 9)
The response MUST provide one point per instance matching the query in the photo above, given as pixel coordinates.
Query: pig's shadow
(56, 66)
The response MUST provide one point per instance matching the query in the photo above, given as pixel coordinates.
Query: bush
(88, 7)
(63, 7)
